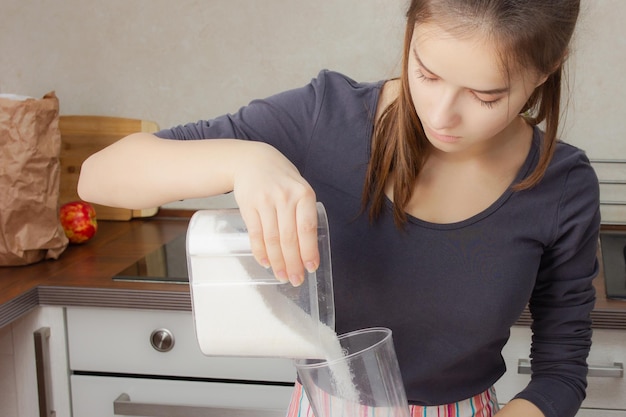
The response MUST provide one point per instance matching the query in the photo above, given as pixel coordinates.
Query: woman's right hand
(279, 209)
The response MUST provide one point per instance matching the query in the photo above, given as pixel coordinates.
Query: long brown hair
(532, 34)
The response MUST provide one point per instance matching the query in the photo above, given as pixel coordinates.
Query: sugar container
(239, 307)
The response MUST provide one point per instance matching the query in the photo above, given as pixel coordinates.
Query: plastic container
(362, 380)
(239, 307)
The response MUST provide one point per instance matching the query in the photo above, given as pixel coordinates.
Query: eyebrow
(494, 91)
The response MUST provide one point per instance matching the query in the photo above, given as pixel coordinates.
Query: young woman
(450, 211)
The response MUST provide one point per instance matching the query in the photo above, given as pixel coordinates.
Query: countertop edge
(146, 299)
(114, 298)
(19, 306)
(92, 297)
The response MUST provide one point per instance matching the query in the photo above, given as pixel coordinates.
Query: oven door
(108, 396)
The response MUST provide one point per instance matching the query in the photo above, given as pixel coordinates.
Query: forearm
(276, 202)
(143, 170)
(520, 408)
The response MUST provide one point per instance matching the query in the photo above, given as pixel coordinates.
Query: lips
(441, 137)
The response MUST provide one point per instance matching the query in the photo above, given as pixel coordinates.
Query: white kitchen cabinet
(600, 413)
(606, 396)
(8, 392)
(18, 370)
(113, 352)
(113, 340)
(95, 396)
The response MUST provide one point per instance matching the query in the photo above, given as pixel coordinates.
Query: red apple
(79, 221)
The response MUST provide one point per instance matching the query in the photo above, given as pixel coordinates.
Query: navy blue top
(449, 292)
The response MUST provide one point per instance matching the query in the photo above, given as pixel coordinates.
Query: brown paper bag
(30, 143)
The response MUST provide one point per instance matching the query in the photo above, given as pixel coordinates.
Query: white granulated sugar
(246, 319)
(243, 318)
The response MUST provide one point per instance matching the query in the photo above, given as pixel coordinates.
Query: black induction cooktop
(613, 247)
(167, 264)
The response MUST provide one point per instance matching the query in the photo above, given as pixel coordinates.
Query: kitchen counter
(82, 276)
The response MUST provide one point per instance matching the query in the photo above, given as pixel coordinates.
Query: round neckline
(521, 174)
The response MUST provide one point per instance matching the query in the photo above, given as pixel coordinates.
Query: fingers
(298, 240)
(255, 233)
(306, 220)
(268, 245)
(278, 207)
(285, 238)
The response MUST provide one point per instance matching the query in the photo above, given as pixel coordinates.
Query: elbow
(87, 186)
(98, 179)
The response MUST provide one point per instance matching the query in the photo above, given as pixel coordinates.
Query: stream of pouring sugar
(247, 319)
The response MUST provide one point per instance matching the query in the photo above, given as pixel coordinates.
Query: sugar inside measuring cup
(361, 377)
(239, 308)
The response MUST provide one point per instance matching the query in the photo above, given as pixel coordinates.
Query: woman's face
(462, 97)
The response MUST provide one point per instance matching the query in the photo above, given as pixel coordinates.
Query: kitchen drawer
(603, 393)
(94, 396)
(118, 341)
(600, 413)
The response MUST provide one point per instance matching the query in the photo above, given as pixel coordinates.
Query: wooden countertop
(82, 276)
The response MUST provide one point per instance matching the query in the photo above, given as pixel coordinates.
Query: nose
(443, 111)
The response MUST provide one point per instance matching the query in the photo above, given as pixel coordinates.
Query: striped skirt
(484, 404)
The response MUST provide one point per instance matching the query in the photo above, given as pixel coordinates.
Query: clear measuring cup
(362, 379)
(239, 307)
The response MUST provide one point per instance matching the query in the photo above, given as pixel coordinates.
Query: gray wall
(179, 61)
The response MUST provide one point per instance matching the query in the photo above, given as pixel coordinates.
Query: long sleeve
(563, 298)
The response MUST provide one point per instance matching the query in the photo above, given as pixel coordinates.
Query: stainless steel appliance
(613, 248)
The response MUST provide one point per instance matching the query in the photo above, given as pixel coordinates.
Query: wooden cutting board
(82, 136)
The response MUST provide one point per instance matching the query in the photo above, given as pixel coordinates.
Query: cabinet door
(94, 396)
(120, 341)
(23, 330)
(605, 394)
(518, 347)
(600, 413)
(608, 349)
(8, 390)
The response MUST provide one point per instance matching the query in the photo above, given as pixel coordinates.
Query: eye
(420, 74)
(486, 103)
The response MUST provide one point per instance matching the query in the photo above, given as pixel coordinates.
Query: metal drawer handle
(42, 366)
(604, 371)
(123, 406)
